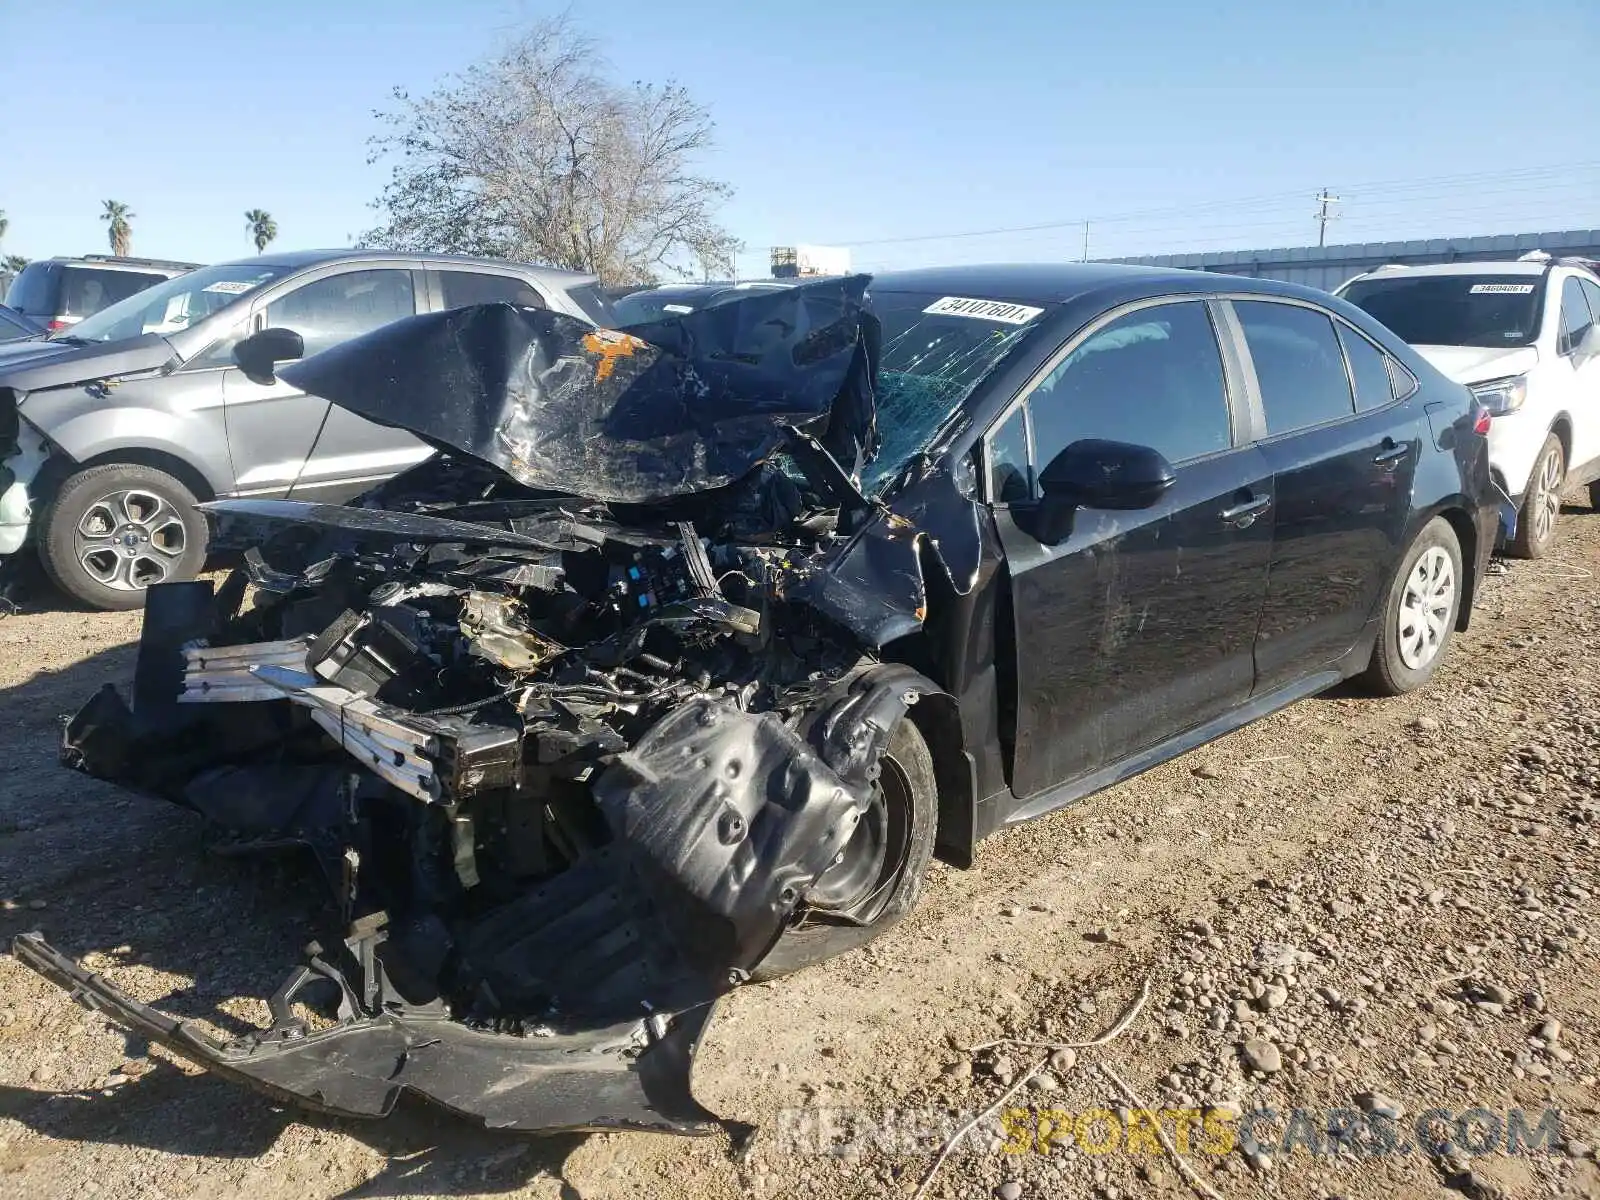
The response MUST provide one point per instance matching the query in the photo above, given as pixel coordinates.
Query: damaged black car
(694, 641)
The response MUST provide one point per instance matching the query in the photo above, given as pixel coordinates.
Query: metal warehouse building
(1328, 266)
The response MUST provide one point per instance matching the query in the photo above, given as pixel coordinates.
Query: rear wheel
(878, 876)
(1594, 496)
(1419, 614)
(1536, 525)
(112, 531)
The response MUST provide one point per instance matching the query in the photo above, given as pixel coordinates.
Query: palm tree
(4, 224)
(261, 226)
(13, 263)
(117, 214)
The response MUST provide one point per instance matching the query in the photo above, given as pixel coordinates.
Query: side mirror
(259, 354)
(1100, 474)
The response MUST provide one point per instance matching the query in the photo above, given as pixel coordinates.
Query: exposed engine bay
(573, 764)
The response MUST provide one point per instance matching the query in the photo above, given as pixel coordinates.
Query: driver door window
(1152, 377)
(332, 310)
(1575, 316)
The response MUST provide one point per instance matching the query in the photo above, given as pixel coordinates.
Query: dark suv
(59, 292)
(124, 421)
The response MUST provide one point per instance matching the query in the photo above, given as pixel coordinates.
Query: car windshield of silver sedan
(935, 352)
(1454, 310)
(176, 304)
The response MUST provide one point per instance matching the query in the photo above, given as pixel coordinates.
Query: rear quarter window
(1369, 370)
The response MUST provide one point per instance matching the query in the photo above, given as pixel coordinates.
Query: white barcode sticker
(1501, 289)
(984, 310)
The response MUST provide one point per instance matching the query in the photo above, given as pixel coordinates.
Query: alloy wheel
(1546, 506)
(1427, 606)
(130, 539)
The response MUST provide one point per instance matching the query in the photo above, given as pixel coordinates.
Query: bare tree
(536, 154)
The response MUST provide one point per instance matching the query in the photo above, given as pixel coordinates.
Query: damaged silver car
(672, 667)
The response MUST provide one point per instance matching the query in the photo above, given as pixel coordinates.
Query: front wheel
(112, 531)
(878, 876)
(1419, 614)
(1536, 526)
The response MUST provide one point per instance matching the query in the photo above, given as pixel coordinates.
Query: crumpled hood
(1474, 364)
(30, 366)
(664, 409)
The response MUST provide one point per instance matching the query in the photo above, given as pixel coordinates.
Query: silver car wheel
(1427, 606)
(1546, 506)
(130, 539)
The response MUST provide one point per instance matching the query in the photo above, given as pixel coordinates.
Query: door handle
(1243, 515)
(1391, 453)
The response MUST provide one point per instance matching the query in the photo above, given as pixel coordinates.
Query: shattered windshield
(936, 350)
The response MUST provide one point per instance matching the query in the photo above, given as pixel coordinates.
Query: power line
(1419, 189)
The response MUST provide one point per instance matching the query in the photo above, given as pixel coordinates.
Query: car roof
(1057, 283)
(294, 260)
(1501, 267)
(122, 263)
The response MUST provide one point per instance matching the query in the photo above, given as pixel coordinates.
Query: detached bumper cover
(629, 1076)
(1507, 521)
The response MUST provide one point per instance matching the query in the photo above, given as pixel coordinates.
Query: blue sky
(1172, 126)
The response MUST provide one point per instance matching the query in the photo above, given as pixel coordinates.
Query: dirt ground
(1354, 905)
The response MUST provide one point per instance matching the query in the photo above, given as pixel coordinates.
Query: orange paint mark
(610, 346)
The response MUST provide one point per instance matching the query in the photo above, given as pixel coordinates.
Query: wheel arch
(59, 468)
(1562, 428)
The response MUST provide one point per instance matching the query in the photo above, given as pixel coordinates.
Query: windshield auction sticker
(229, 287)
(984, 310)
(1501, 289)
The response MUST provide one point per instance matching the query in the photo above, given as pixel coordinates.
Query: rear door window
(1298, 363)
(460, 288)
(333, 309)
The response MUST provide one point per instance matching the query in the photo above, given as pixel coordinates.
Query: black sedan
(15, 325)
(678, 662)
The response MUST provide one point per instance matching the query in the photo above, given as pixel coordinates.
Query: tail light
(1481, 421)
(56, 323)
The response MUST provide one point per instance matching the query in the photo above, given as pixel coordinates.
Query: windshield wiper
(67, 339)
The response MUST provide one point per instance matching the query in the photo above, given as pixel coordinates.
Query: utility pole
(1324, 215)
(1086, 241)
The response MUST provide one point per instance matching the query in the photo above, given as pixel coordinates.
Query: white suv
(1525, 337)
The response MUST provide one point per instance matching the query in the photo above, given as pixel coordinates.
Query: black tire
(911, 803)
(1541, 503)
(84, 535)
(1594, 496)
(1389, 673)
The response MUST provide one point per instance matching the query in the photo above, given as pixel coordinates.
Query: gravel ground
(1379, 906)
